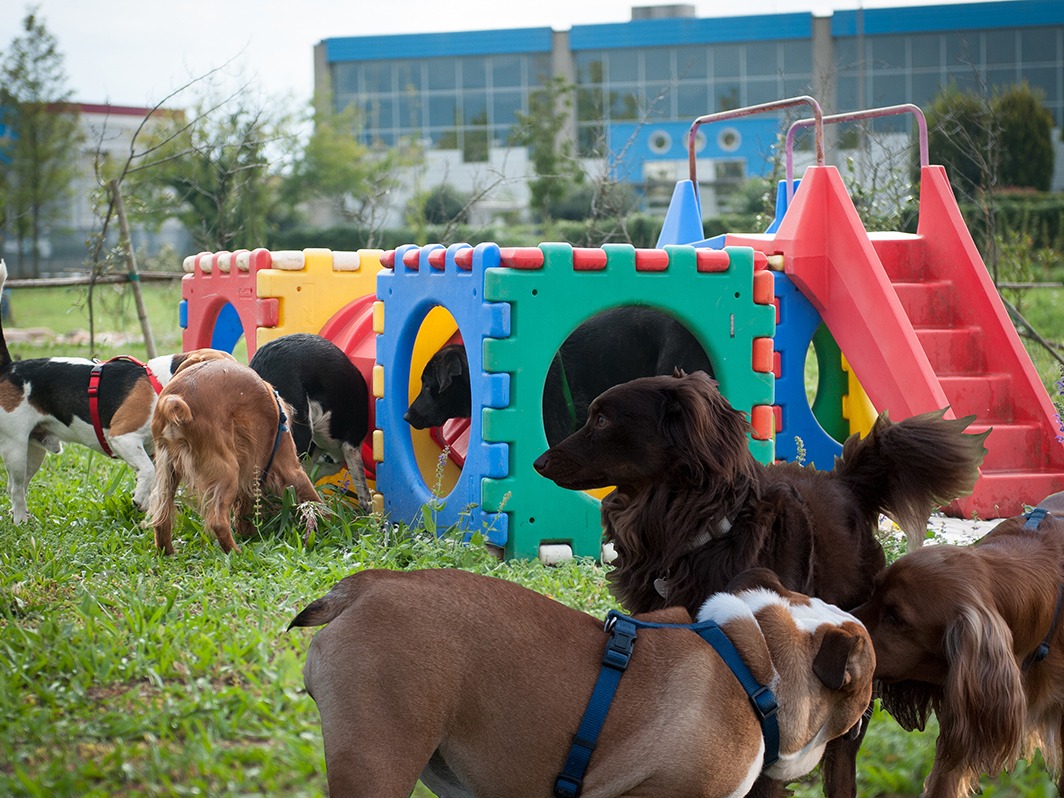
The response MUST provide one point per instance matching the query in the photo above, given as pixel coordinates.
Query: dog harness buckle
(1035, 517)
(619, 647)
(764, 703)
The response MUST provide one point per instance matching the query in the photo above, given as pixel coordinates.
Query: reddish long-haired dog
(222, 430)
(973, 633)
(693, 508)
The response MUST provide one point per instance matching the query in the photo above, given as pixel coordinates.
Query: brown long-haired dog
(960, 630)
(693, 508)
(222, 430)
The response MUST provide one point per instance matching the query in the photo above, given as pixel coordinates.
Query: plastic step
(986, 395)
(956, 351)
(929, 303)
(1001, 494)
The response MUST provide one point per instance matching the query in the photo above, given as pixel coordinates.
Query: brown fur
(215, 427)
(477, 685)
(10, 396)
(678, 454)
(136, 411)
(952, 628)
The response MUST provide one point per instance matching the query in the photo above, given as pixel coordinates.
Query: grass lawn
(125, 673)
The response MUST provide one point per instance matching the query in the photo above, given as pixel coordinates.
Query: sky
(136, 52)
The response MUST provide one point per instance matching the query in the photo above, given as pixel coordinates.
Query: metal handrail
(871, 113)
(750, 111)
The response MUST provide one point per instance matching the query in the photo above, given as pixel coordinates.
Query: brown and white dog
(477, 685)
(44, 402)
(222, 430)
(959, 630)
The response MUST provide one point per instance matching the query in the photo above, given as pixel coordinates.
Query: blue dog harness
(282, 428)
(1034, 521)
(619, 647)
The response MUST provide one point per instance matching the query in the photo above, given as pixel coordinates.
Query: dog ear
(834, 663)
(983, 711)
(448, 366)
(910, 702)
(753, 578)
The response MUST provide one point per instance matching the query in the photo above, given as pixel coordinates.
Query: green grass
(125, 673)
(65, 311)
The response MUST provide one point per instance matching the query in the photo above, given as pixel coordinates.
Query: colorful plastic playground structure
(902, 323)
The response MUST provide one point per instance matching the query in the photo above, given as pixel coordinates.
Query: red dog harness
(94, 401)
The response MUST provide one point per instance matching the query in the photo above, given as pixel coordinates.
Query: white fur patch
(76, 361)
(724, 607)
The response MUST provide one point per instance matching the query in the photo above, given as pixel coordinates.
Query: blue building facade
(639, 84)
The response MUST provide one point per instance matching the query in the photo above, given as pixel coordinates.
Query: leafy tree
(986, 142)
(338, 167)
(215, 174)
(1026, 149)
(958, 132)
(549, 150)
(444, 205)
(41, 163)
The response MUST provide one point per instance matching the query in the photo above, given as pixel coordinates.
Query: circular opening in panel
(610, 348)
(439, 408)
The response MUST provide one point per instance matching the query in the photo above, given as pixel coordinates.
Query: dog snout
(542, 464)
(417, 419)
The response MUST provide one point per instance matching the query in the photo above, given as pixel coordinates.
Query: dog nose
(542, 463)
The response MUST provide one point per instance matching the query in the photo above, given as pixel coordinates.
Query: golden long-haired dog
(222, 430)
(973, 634)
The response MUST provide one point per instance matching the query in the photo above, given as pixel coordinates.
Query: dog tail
(909, 468)
(173, 412)
(5, 356)
(320, 611)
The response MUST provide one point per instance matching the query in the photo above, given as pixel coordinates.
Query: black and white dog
(611, 347)
(45, 402)
(329, 399)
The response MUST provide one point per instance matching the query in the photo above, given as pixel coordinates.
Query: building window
(506, 72)
(727, 61)
(474, 73)
(657, 65)
(442, 73)
(623, 66)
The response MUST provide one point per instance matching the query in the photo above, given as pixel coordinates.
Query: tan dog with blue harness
(478, 686)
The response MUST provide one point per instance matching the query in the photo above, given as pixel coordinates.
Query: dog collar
(94, 396)
(282, 428)
(1034, 521)
(661, 584)
(619, 648)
